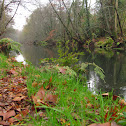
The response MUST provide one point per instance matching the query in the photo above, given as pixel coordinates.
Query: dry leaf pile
(14, 105)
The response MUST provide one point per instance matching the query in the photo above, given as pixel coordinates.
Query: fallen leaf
(34, 99)
(42, 102)
(114, 124)
(12, 71)
(12, 120)
(50, 80)
(25, 112)
(41, 93)
(3, 104)
(34, 84)
(4, 123)
(11, 94)
(103, 124)
(19, 95)
(51, 98)
(19, 98)
(7, 115)
(122, 102)
(13, 59)
(62, 70)
(15, 118)
(48, 87)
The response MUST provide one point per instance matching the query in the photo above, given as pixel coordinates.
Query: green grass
(76, 105)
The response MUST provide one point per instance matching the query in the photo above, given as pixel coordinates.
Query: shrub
(106, 44)
(7, 45)
(69, 58)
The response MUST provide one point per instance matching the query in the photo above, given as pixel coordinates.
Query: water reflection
(35, 53)
(93, 81)
(114, 66)
(20, 58)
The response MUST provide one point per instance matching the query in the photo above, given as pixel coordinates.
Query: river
(113, 64)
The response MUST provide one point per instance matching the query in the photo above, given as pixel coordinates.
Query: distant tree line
(6, 19)
(8, 10)
(62, 20)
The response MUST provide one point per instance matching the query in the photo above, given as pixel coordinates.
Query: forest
(62, 20)
(73, 68)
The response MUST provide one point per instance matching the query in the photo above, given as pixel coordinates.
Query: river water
(113, 64)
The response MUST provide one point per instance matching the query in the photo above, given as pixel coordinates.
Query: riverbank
(52, 96)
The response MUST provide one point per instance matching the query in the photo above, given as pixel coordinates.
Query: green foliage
(3, 63)
(109, 42)
(67, 56)
(7, 45)
(88, 42)
(99, 44)
(98, 70)
(118, 43)
(70, 59)
(94, 36)
(106, 44)
(43, 43)
(106, 52)
(75, 105)
(123, 122)
(68, 72)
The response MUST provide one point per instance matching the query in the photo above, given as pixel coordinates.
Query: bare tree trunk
(118, 19)
(2, 31)
(75, 30)
(116, 6)
(66, 29)
(2, 10)
(88, 20)
(13, 14)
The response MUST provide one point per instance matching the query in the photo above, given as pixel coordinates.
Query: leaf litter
(14, 100)
(15, 105)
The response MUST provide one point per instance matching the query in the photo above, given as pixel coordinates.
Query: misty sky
(22, 14)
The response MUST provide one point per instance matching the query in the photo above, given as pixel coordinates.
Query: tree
(39, 25)
(87, 19)
(110, 17)
(73, 25)
(106, 16)
(63, 20)
(5, 18)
